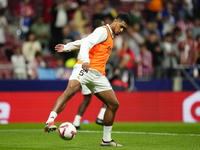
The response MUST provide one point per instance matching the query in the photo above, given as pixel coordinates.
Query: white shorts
(94, 80)
(85, 90)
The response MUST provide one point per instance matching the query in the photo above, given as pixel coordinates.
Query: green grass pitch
(133, 136)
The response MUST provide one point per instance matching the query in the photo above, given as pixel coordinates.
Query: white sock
(107, 133)
(52, 116)
(101, 113)
(77, 120)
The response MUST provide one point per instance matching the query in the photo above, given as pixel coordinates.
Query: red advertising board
(21, 107)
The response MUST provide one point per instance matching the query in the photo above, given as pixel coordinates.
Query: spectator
(47, 11)
(196, 10)
(170, 60)
(153, 45)
(187, 8)
(34, 64)
(185, 24)
(122, 79)
(135, 38)
(41, 31)
(198, 40)
(196, 28)
(178, 36)
(151, 26)
(126, 50)
(189, 50)
(108, 9)
(168, 20)
(59, 62)
(72, 5)
(60, 70)
(25, 13)
(135, 14)
(179, 4)
(87, 31)
(60, 19)
(144, 63)
(81, 18)
(65, 38)
(97, 15)
(153, 8)
(107, 19)
(112, 64)
(4, 4)
(118, 42)
(98, 23)
(19, 64)
(30, 47)
(73, 32)
(3, 26)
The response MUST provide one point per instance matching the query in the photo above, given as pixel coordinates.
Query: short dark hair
(167, 34)
(124, 17)
(38, 53)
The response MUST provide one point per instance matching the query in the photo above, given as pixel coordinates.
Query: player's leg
(81, 110)
(72, 87)
(87, 98)
(100, 116)
(101, 88)
(84, 104)
(109, 98)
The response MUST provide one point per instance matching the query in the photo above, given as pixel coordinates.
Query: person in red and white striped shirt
(185, 24)
(189, 50)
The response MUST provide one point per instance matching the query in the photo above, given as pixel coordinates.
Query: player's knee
(71, 91)
(114, 106)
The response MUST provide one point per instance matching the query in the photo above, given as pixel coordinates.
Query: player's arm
(97, 36)
(72, 46)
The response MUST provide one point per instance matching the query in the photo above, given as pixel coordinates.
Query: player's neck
(112, 28)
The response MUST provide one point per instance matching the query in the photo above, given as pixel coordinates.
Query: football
(67, 131)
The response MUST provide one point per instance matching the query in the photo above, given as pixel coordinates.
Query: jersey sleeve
(71, 46)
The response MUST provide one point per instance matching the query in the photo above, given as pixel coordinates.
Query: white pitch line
(117, 132)
(145, 133)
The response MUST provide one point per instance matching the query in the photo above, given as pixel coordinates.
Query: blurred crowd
(163, 37)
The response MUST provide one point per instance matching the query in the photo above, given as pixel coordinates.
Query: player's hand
(59, 48)
(86, 66)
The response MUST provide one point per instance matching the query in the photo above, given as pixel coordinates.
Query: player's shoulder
(101, 29)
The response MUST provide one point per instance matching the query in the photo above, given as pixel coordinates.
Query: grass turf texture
(133, 136)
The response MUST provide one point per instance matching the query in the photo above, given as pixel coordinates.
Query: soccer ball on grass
(67, 131)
